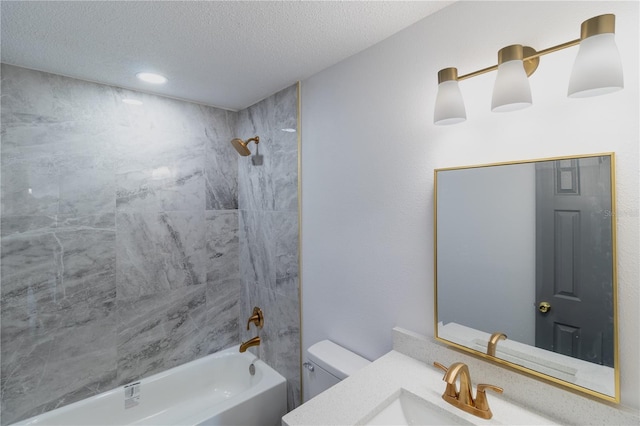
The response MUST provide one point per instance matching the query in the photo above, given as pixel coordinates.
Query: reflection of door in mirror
(574, 258)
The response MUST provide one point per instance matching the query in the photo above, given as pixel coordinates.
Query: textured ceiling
(229, 54)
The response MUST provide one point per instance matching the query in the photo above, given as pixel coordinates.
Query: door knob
(544, 307)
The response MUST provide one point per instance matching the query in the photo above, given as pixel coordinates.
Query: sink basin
(406, 408)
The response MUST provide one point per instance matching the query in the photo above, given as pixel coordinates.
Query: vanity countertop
(352, 401)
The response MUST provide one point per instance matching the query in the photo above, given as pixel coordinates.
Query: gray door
(574, 265)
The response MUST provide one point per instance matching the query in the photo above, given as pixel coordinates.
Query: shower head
(241, 146)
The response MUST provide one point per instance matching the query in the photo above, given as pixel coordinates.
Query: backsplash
(120, 238)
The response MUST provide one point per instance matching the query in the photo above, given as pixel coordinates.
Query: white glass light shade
(511, 91)
(449, 104)
(597, 69)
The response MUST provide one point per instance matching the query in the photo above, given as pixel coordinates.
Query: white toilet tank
(327, 364)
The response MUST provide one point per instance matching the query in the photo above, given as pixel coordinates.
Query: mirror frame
(531, 372)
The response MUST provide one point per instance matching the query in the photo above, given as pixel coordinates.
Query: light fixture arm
(594, 26)
(529, 57)
(552, 49)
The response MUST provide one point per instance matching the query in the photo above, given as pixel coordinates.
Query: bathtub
(214, 390)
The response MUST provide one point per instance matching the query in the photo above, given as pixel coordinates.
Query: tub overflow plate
(131, 395)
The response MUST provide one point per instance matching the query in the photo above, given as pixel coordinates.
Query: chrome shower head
(241, 146)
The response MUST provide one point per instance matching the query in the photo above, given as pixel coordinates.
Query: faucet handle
(440, 366)
(481, 396)
(451, 387)
(257, 318)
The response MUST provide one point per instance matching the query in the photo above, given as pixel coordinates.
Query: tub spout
(253, 342)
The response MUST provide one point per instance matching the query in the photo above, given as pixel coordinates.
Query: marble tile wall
(119, 238)
(268, 232)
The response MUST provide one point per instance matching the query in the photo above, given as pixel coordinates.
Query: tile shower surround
(124, 252)
(268, 229)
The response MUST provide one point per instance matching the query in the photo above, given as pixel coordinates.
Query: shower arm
(255, 139)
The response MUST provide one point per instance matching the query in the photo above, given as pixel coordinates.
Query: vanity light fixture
(597, 70)
(152, 78)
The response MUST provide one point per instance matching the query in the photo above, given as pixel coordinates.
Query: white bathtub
(215, 390)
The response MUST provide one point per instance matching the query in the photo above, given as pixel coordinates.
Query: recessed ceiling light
(150, 77)
(160, 173)
(289, 130)
(131, 101)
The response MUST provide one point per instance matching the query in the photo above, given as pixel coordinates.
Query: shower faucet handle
(257, 318)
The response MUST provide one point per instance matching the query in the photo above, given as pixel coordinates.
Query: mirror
(525, 257)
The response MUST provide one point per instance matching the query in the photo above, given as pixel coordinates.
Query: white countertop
(353, 400)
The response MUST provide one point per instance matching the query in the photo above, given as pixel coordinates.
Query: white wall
(369, 149)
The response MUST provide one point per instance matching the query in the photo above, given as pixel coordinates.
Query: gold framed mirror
(525, 267)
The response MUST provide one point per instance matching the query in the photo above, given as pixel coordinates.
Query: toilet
(327, 364)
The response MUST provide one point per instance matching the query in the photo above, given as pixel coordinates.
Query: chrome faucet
(463, 398)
